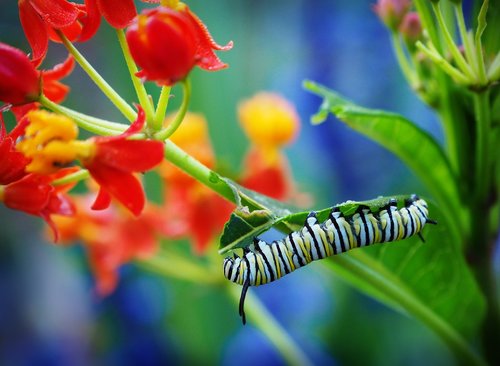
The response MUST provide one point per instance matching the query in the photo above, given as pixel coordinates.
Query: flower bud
(162, 42)
(411, 29)
(391, 12)
(19, 80)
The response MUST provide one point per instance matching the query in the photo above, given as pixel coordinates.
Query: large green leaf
(420, 152)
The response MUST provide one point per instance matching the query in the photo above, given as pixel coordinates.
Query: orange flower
(112, 238)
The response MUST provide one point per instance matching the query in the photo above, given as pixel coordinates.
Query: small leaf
(481, 21)
(242, 227)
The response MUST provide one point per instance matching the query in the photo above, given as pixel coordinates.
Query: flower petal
(35, 30)
(130, 155)
(121, 185)
(207, 59)
(30, 194)
(90, 21)
(118, 13)
(57, 13)
(102, 201)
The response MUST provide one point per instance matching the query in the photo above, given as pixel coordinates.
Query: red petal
(19, 81)
(12, 163)
(35, 30)
(57, 13)
(60, 70)
(121, 185)
(118, 13)
(72, 32)
(135, 127)
(90, 21)
(207, 59)
(130, 155)
(55, 91)
(30, 194)
(102, 201)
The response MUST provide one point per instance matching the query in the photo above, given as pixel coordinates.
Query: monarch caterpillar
(264, 262)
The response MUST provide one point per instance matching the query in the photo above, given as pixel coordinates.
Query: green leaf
(243, 226)
(430, 281)
(415, 147)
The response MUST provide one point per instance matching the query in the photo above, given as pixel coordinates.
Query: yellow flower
(269, 120)
(50, 143)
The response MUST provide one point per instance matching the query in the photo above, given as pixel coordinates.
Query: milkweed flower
(50, 142)
(19, 79)
(167, 43)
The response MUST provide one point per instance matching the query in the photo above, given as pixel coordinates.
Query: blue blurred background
(48, 313)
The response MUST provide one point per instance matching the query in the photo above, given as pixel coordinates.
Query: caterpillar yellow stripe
(264, 262)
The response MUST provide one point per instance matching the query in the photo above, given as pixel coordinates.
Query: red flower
(12, 163)
(35, 195)
(19, 80)
(114, 159)
(192, 210)
(168, 43)
(40, 18)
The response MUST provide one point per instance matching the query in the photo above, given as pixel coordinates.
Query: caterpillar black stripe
(264, 262)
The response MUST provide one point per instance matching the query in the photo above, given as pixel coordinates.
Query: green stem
(466, 41)
(405, 66)
(263, 319)
(428, 22)
(139, 87)
(443, 64)
(455, 52)
(366, 269)
(73, 177)
(172, 127)
(482, 162)
(91, 124)
(197, 170)
(161, 107)
(112, 95)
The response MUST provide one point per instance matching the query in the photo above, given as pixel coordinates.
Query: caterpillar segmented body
(264, 262)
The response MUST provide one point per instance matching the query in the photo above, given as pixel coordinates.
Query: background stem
(286, 346)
